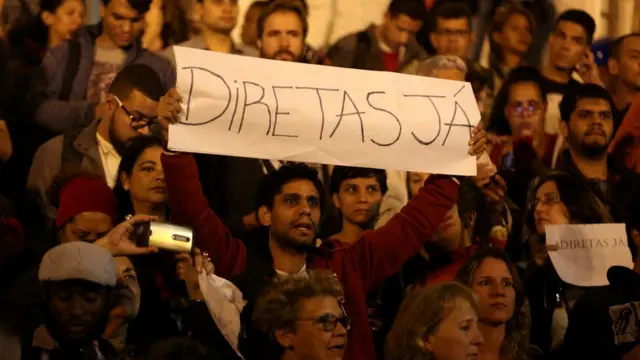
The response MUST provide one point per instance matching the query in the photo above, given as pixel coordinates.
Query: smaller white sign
(582, 254)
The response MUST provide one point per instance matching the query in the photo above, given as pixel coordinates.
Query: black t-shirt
(605, 322)
(552, 87)
(554, 91)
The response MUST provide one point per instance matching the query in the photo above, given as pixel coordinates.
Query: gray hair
(432, 65)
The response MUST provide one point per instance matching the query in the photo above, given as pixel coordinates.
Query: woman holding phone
(164, 277)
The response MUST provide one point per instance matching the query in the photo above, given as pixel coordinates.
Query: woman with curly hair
(503, 316)
(305, 316)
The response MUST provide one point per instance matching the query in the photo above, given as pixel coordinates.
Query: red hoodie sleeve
(382, 252)
(189, 207)
(626, 143)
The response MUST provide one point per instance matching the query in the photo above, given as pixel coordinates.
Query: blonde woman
(438, 322)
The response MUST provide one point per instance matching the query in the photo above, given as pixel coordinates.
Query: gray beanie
(78, 260)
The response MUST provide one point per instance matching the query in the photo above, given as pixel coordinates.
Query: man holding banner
(290, 206)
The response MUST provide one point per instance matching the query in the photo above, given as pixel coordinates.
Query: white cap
(78, 260)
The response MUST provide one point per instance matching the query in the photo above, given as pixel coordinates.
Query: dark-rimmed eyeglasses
(136, 122)
(330, 322)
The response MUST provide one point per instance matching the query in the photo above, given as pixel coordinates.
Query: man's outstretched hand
(118, 241)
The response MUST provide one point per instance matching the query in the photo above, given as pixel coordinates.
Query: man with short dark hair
(76, 75)
(587, 112)
(624, 67)
(78, 280)
(134, 102)
(282, 30)
(569, 52)
(452, 33)
(390, 46)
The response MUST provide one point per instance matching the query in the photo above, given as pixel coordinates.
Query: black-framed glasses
(330, 322)
(136, 122)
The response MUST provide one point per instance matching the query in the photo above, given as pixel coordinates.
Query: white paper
(405, 122)
(225, 303)
(585, 252)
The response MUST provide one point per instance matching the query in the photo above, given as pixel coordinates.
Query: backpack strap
(363, 43)
(73, 61)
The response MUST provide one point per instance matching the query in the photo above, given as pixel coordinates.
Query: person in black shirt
(587, 127)
(569, 51)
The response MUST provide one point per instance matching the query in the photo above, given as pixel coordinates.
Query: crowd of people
(331, 262)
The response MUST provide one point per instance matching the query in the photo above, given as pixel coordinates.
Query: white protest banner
(258, 108)
(582, 254)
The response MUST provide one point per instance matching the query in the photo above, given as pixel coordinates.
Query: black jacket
(621, 192)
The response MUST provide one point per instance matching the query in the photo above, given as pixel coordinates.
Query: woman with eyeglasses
(560, 198)
(503, 317)
(305, 315)
(520, 145)
(438, 322)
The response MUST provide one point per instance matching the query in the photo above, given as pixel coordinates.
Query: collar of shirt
(386, 49)
(275, 163)
(110, 160)
(106, 148)
(302, 272)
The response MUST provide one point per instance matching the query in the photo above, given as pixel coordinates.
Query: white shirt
(110, 160)
(275, 163)
(387, 50)
(302, 272)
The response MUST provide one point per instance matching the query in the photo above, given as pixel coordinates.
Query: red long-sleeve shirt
(360, 268)
(626, 143)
